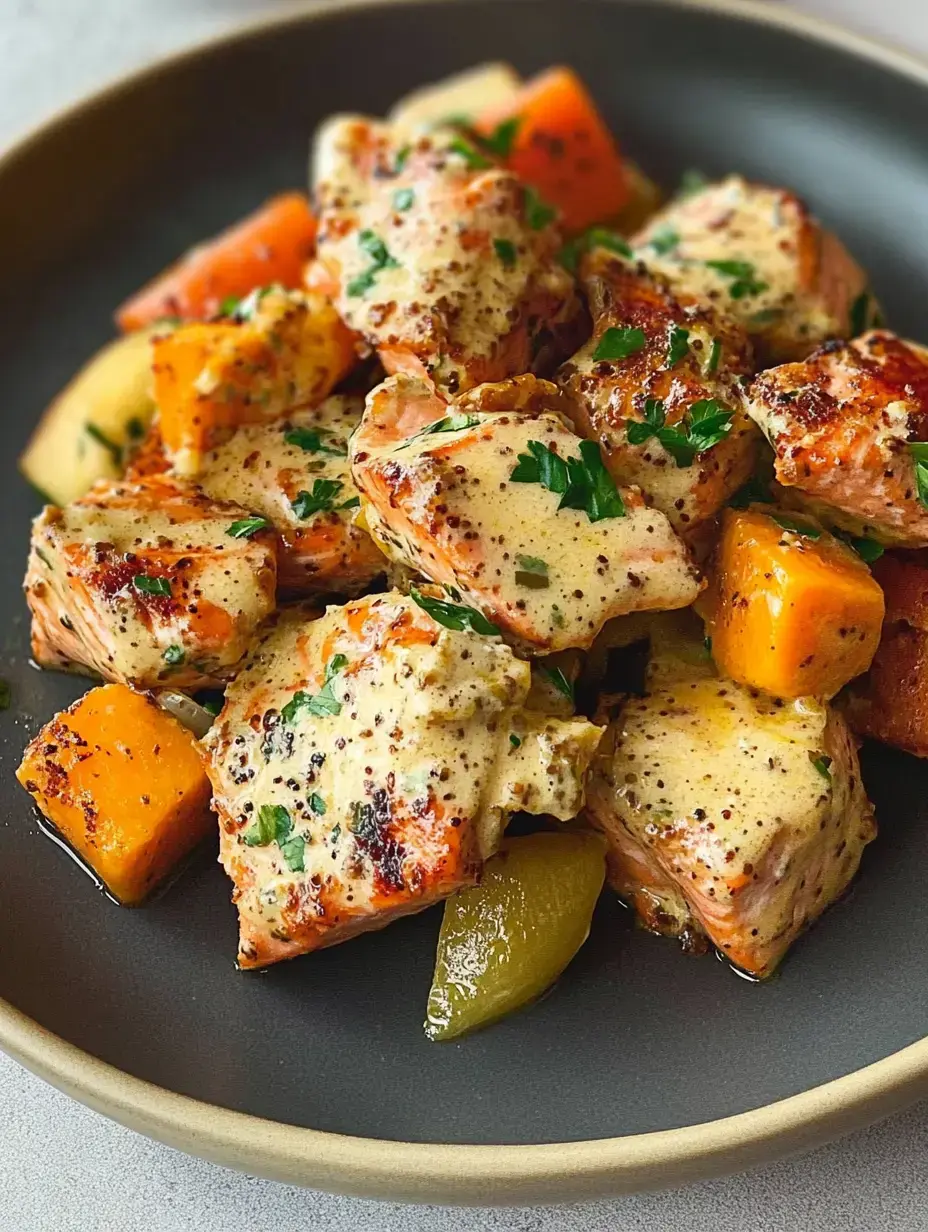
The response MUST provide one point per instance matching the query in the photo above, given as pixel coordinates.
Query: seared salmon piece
(890, 703)
(843, 424)
(756, 253)
(364, 766)
(442, 261)
(659, 385)
(147, 584)
(497, 499)
(728, 811)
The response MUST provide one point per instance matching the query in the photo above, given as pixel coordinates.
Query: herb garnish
(919, 452)
(229, 305)
(705, 424)
(376, 249)
(515, 741)
(506, 251)
(532, 572)
(450, 423)
(867, 549)
(797, 528)
(402, 154)
(212, 706)
(692, 181)
(403, 199)
(618, 342)
(246, 308)
(321, 499)
(560, 681)
(453, 615)
(582, 483)
(743, 275)
(98, 435)
(664, 240)
(471, 155)
(310, 441)
(864, 313)
(244, 528)
(594, 237)
(500, 141)
(678, 345)
(537, 211)
(151, 585)
(174, 655)
(317, 804)
(322, 703)
(715, 354)
(275, 825)
(822, 765)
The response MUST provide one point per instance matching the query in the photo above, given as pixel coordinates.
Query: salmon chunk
(845, 426)
(147, 584)
(728, 811)
(364, 766)
(659, 386)
(501, 502)
(757, 254)
(442, 261)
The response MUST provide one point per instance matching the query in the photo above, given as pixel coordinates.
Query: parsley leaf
(867, 549)
(798, 528)
(743, 275)
(859, 314)
(537, 212)
(594, 237)
(450, 423)
(246, 527)
(403, 199)
(500, 141)
(822, 765)
(293, 852)
(229, 305)
(471, 155)
(376, 249)
(559, 680)
(506, 251)
(98, 435)
(274, 825)
(532, 572)
(317, 804)
(515, 741)
(919, 452)
(705, 424)
(319, 704)
(620, 342)
(174, 655)
(715, 354)
(582, 483)
(678, 345)
(664, 240)
(402, 154)
(320, 500)
(151, 585)
(453, 615)
(310, 441)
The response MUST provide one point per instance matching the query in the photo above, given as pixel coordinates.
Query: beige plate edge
(475, 1175)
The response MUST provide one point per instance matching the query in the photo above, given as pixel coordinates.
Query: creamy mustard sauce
(396, 786)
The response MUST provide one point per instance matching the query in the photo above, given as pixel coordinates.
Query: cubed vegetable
(790, 609)
(271, 245)
(283, 350)
(552, 135)
(90, 428)
(504, 942)
(123, 782)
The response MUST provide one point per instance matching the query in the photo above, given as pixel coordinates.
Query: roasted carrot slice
(552, 135)
(271, 245)
(124, 782)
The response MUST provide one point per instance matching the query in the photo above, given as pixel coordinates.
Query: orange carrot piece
(560, 145)
(271, 245)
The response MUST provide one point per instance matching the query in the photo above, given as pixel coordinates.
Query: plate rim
(464, 1174)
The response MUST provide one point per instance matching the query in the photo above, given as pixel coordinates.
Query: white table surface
(66, 1169)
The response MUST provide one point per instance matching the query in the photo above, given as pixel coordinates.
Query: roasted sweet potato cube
(790, 609)
(123, 782)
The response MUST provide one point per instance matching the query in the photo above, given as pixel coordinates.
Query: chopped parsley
(273, 825)
(594, 237)
(715, 354)
(371, 243)
(743, 275)
(450, 423)
(402, 154)
(246, 308)
(310, 441)
(403, 199)
(229, 306)
(664, 240)
(822, 764)
(692, 181)
(244, 528)
(453, 615)
(582, 483)
(796, 527)
(618, 342)
(473, 158)
(867, 549)
(294, 853)
(537, 212)
(506, 251)
(515, 741)
(919, 452)
(556, 677)
(678, 345)
(213, 705)
(317, 804)
(705, 424)
(319, 704)
(146, 585)
(321, 499)
(174, 655)
(500, 141)
(98, 435)
(532, 572)
(863, 313)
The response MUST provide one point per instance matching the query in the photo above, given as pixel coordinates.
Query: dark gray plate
(636, 1037)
